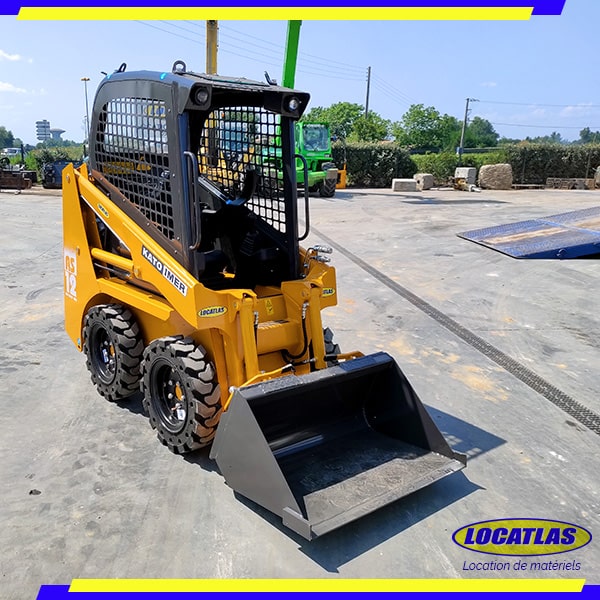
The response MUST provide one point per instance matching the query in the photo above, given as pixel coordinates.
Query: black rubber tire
(113, 347)
(330, 346)
(327, 188)
(181, 395)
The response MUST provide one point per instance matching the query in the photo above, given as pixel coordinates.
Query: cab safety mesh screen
(238, 140)
(132, 153)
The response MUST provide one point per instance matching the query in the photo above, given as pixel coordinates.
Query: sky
(530, 77)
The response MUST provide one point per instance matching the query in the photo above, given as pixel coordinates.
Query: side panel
(80, 282)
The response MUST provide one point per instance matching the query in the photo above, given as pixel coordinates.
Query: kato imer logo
(165, 271)
(328, 292)
(212, 311)
(522, 537)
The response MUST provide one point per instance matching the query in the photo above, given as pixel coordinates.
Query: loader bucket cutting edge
(323, 449)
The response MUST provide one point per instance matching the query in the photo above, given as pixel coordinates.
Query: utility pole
(87, 110)
(212, 42)
(464, 128)
(368, 89)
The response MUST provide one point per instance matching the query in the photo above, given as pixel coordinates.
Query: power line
(169, 32)
(302, 54)
(395, 93)
(389, 95)
(543, 105)
(546, 126)
(267, 59)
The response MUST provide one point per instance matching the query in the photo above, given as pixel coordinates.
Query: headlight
(201, 96)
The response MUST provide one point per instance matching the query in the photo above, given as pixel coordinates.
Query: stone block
(404, 185)
(424, 181)
(496, 177)
(469, 174)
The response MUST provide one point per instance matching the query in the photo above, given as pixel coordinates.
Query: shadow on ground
(354, 539)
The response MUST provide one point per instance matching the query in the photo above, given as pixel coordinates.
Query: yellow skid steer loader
(184, 276)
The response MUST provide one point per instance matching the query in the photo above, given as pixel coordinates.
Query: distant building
(42, 129)
(56, 132)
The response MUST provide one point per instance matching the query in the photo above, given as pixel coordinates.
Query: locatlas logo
(522, 537)
(212, 311)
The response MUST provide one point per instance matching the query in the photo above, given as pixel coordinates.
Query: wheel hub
(169, 398)
(104, 355)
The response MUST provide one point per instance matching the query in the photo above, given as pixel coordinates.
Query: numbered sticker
(71, 274)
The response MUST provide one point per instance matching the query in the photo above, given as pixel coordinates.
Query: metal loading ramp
(566, 235)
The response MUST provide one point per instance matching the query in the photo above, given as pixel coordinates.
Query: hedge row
(534, 163)
(442, 166)
(373, 164)
(376, 164)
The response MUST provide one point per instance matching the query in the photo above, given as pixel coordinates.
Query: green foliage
(347, 121)
(58, 144)
(480, 133)
(340, 117)
(424, 128)
(443, 165)
(373, 128)
(531, 163)
(587, 136)
(534, 163)
(36, 158)
(373, 164)
(485, 158)
(553, 138)
(7, 139)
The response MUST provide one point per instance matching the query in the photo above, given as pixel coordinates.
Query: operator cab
(208, 162)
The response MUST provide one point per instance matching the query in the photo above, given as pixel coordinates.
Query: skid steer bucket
(323, 449)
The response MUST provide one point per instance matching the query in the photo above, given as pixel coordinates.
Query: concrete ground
(88, 492)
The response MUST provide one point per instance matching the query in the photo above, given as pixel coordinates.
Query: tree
(505, 141)
(7, 139)
(340, 117)
(372, 128)
(425, 128)
(553, 138)
(587, 136)
(450, 129)
(480, 133)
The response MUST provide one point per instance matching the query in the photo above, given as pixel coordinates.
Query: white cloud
(577, 109)
(9, 87)
(11, 57)
(488, 84)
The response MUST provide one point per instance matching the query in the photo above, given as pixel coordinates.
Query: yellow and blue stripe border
(463, 10)
(162, 589)
(265, 13)
(322, 10)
